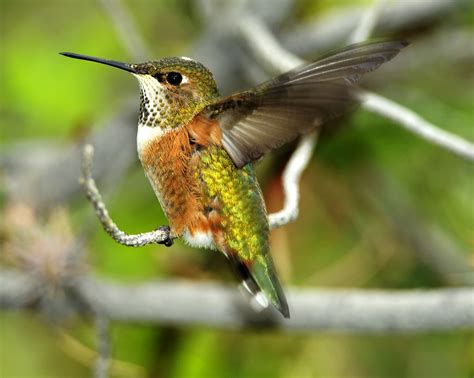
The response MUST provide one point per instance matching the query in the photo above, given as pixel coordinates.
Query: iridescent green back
(245, 220)
(244, 215)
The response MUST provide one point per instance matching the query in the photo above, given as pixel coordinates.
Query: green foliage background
(341, 238)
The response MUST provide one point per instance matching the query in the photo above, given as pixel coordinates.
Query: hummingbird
(199, 149)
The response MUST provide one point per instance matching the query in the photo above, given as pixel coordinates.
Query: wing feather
(256, 121)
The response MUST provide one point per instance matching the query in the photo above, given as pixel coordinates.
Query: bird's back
(239, 223)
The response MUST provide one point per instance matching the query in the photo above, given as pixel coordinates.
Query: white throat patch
(153, 109)
(146, 134)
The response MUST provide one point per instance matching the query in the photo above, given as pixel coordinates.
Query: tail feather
(259, 279)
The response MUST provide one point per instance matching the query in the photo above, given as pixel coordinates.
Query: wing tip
(395, 43)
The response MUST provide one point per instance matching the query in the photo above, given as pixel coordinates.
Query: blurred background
(380, 208)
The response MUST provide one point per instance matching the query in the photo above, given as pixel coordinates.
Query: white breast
(199, 239)
(146, 134)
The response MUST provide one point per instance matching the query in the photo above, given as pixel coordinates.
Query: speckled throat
(160, 108)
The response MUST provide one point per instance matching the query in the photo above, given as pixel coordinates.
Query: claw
(168, 241)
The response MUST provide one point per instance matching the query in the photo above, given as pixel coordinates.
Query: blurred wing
(256, 121)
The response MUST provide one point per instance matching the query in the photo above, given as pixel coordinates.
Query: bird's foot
(168, 241)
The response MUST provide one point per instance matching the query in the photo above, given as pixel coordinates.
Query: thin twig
(291, 177)
(126, 29)
(159, 236)
(262, 43)
(86, 357)
(333, 28)
(411, 121)
(103, 347)
(367, 23)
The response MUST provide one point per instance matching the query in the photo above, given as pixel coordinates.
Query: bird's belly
(165, 160)
(199, 239)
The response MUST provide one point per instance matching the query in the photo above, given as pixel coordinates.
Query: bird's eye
(174, 78)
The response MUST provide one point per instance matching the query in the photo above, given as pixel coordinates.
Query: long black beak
(113, 63)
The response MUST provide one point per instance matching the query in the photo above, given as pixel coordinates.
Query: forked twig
(291, 178)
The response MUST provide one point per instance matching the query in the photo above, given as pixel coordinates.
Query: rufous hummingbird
(198, 149)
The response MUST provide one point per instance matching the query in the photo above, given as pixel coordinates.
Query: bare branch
(214, 12)
(126, 29)
(367, 23)
(411, 121)
(211, 305)
(263, 44)
(291, 176)
(267, 50)
(217, 306)
(43, 173)
(103, 346)
(334, 28)
(17, 290)
(184, 303)
(159, 236)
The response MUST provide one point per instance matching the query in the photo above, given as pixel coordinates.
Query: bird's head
(172, 90)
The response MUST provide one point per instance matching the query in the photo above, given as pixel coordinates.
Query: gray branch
(159, 236)
(414, 123)
(206, 304)
(355, 310)
(298, 162)
(43, 173)
(334, 28)
(366, 23)
(126, 29)
(103, 346)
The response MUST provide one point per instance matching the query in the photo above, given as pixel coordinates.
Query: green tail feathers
(260, 280)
